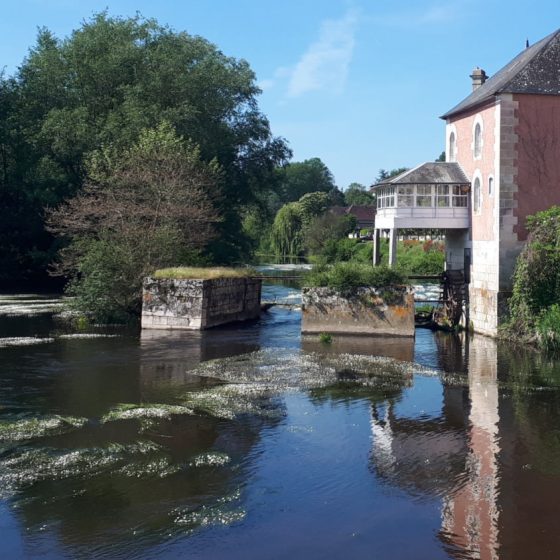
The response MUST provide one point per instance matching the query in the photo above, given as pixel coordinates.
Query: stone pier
(199, 304)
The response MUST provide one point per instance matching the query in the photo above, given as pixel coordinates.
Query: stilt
(376, 247)
(393, 234)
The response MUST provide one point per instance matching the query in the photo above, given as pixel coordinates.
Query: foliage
(325, 338)
(383, 174)
(326, 232)
(416, 257)
(287, 230)
(299, 178)
(141, 208)
(548, 328)
(101, 86)
(212, 273)
(345, 277)
(536, 280)
(358, 195)
(295, 221)
(413, 257)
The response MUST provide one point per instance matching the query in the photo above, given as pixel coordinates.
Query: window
(491, 186)
(459, 196)
(442, 196)
(386, 197)
(476, 196)
(477, 141)
(405, 196)
(451, 154)
(424, 195)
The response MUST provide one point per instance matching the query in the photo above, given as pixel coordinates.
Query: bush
(536, 282)
(345, 277)
(548, 328)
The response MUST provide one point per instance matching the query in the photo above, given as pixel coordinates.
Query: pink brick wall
(483, 224)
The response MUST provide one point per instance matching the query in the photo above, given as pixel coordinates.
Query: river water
(249, 442)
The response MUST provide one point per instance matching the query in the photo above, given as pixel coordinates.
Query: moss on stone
(192, 273)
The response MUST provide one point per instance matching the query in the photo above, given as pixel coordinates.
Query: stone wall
(369, 311)
(199, 304)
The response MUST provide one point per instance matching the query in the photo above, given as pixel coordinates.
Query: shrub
(536, 280)
(345, 277)
(548, 328)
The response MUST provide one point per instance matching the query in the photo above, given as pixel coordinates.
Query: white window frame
(477, 177)
(478, 122)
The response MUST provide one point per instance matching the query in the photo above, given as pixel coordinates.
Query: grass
(199, 273)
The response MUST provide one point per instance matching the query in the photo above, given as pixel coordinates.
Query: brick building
(503, 148)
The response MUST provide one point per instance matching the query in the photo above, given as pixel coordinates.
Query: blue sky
(359, 84)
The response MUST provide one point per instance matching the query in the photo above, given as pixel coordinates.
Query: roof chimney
(478, 77)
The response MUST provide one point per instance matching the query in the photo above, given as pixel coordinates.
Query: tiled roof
(534, 70)
(431, 172)
(362, 213)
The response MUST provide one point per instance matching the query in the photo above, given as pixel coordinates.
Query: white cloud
(326, 62)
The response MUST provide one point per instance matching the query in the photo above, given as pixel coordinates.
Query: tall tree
(384, 174)
(357, 194)
(112, 78)
(145, 207)
(299, 178)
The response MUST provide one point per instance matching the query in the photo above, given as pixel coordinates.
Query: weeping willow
(287, 231)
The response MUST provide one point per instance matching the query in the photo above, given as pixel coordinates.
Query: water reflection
(249, 441)
(400, 348)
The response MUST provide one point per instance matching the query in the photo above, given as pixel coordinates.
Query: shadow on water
(249, 441)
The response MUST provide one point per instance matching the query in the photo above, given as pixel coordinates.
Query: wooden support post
(393, 234)
(376, 247)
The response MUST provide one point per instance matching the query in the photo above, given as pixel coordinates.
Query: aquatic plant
(325, 338)
(135, 411)
(20, 428)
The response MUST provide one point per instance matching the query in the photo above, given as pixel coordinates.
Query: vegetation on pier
(345, 277)
(535, 303)
(211, 273)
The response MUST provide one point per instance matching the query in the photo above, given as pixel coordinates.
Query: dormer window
(451, 154)
(477, 140)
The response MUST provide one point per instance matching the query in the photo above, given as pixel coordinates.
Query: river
(249, 442)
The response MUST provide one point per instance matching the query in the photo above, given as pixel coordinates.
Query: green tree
(357, 194)
(293, 222)
(287, 230)
(149, 206)
(299, 178)
(101, 86)
(383, 174)
(536, 281)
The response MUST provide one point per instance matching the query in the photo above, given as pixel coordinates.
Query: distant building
(502, 145)
(365, 215)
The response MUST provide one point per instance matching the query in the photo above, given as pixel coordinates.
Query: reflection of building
(453, 455)
(470, 515)
(398, 348)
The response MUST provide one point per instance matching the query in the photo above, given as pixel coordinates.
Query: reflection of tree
(537, 411)
(146, 493)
